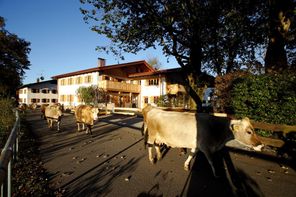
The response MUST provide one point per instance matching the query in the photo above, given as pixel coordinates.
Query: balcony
(119, 86)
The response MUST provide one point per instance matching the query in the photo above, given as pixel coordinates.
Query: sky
(61, 41)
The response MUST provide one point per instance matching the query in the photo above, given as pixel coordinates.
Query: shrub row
(269, 98)
(7, 119)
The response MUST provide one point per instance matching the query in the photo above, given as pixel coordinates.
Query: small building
(44, 92)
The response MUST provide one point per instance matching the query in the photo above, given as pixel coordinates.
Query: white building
(44, 92)
(132, 84)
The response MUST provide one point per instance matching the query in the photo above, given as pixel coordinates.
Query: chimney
(101, 62)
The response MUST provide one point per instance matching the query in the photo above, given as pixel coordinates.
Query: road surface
(114, 162)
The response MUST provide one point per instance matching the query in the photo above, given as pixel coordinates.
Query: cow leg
(209, 157)
(83, 126)
(58, 125)
(158, 152)
(47, 120)
(90, 129)
(49, 123)
(188, 160)
(78, 126)
(150, 154)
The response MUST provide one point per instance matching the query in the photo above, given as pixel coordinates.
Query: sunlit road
(113, 162)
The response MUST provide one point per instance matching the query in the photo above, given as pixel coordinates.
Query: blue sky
(60, 40)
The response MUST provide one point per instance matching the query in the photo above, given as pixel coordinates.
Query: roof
(127, 67)
(42, 84)
(155, 73)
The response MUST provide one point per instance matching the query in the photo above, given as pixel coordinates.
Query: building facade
(44, 92)
(133, 84)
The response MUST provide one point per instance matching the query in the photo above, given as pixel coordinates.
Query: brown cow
(53, 113)
(207, 133)
(86, 115)
(42, 109)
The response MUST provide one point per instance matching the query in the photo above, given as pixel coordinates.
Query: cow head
(95, 112)
(244, 132)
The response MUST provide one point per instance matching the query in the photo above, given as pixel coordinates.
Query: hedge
(7, 119)
(269, 98)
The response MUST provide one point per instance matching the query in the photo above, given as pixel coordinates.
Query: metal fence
(8, 154)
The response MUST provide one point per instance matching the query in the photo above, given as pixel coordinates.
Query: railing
(118, 86)
(8, 154)
(270, 141)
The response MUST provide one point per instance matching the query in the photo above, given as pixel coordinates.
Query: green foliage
(223, 86)
(268, 98)
(86, 94)
(13, 61)
(7, 119)
(91, 94)
(171, 100)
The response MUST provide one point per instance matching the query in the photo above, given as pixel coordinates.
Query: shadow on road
(231, 182)
(98, 180)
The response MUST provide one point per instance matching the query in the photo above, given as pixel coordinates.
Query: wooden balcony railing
(119, 86)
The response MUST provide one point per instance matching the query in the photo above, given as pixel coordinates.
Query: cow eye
(249, 132)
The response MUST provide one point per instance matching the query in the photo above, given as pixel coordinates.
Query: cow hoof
(153, 161)
(186, 167)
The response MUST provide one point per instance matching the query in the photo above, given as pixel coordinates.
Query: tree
(92, 94)
(217, 36)
(281, 33)
(135, 25)
(13, 61)
(154, 62)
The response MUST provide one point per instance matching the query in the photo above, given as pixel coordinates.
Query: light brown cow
(23, 107)
(86, 115)
(53, 113)
(42, 109)
(207, 133)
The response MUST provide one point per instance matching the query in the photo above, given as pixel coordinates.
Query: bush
(7, 118)
(269, 98)
(223, 85)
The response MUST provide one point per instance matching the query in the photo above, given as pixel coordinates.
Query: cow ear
(246, 119)
(235, 127)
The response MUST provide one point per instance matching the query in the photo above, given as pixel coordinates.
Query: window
(45, 100)
(155, 99)
(70, 98)
(88, 79)
(54, 100)
(153, 82)
(70, 81)
(78, 80)
(63, 82)
(33, 100)
(54, 91)
(107, 78)
(21, 91)
(62, 98)
(35, 90)
(45, 91)
(145, 99)
(25, 91)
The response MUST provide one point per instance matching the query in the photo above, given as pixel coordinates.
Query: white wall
(71, 89)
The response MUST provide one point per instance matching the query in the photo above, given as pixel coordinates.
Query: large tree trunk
(279, 24)
(193, 72)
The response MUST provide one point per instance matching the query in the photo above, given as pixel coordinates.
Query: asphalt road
(114, 162)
